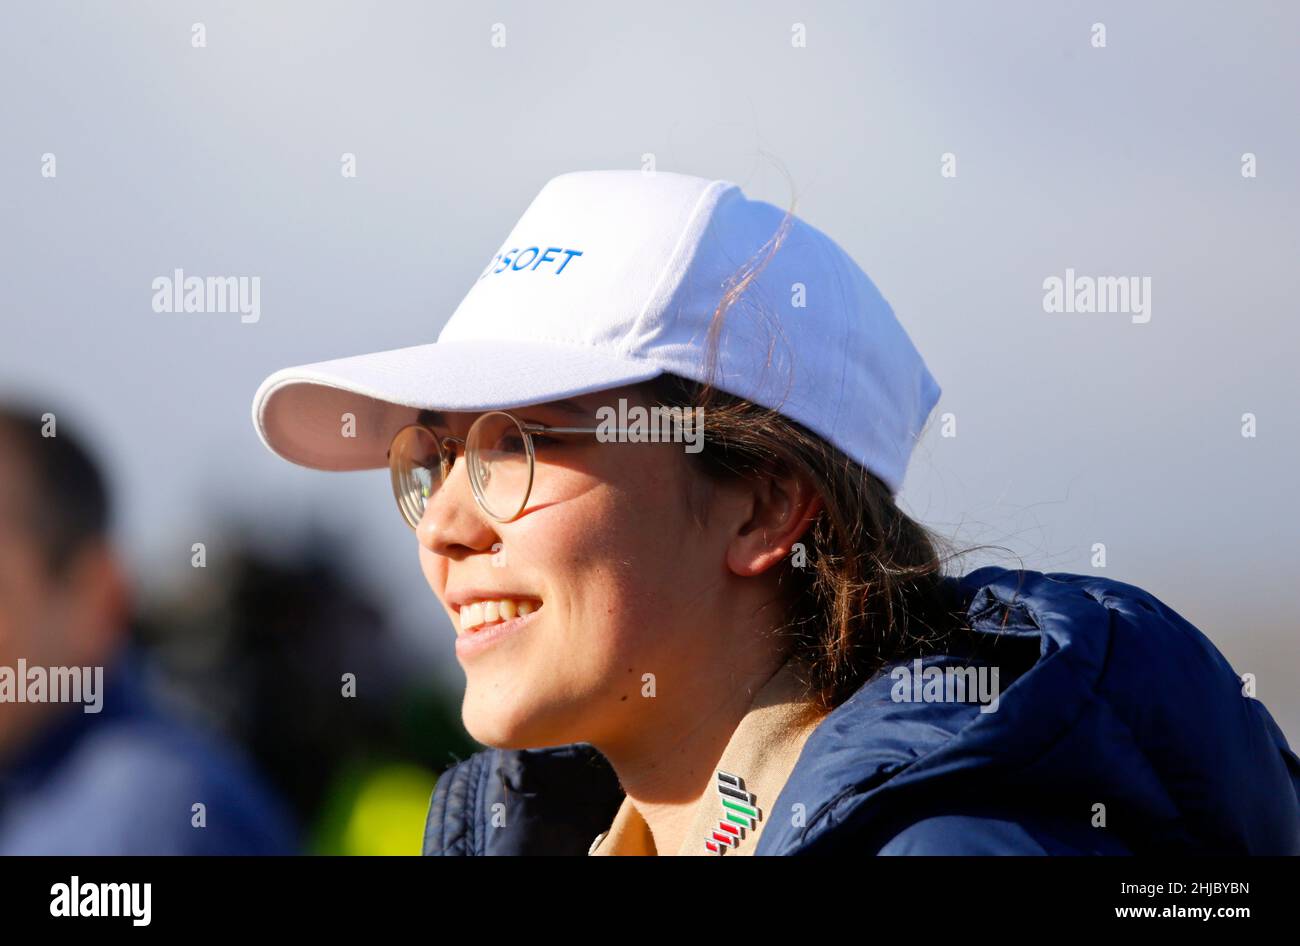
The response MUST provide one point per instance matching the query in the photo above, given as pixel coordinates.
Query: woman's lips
(475, 617)
(479, 638)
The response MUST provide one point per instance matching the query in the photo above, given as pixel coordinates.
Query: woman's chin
(501, 729)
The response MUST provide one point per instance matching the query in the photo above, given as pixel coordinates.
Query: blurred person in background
(127, 778)
(280, 645)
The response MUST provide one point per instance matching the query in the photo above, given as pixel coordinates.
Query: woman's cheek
(434, 568)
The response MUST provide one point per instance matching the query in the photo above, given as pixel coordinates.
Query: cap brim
(300, 412)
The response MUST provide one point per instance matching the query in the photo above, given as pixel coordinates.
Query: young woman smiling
(752, 648)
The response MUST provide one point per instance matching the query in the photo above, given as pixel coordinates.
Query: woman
(737, 642)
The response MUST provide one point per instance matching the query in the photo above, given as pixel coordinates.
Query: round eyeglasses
(499, 452)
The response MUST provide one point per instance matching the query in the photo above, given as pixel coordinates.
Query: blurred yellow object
(388, 813)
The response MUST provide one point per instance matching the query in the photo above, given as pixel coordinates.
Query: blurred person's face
(628, 584)
(46, 620)
(30, 622)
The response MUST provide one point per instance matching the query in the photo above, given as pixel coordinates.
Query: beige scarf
(763, 751)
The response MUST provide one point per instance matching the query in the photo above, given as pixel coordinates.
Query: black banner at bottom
(336, 895)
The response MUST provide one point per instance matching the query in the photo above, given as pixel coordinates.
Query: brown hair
(65, 504)
(870, 589)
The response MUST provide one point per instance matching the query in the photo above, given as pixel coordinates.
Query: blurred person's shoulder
(137, 780)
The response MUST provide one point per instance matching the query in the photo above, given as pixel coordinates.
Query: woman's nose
(452, 524)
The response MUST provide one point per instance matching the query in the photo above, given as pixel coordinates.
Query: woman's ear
(784, 506)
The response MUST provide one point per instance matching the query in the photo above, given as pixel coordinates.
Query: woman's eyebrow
(439, 419)
(431, 418)
(564, 406)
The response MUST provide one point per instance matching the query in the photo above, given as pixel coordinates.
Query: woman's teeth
(489, 612)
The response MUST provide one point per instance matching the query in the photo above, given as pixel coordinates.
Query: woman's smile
(483, 635)
(477, 609)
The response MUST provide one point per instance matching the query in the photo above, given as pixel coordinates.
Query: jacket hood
(1118, 727)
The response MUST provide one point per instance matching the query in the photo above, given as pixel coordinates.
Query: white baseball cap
(611, 278)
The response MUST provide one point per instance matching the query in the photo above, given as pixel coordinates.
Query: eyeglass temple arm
(542, 429)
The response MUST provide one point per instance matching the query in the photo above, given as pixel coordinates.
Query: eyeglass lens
(499, 461)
